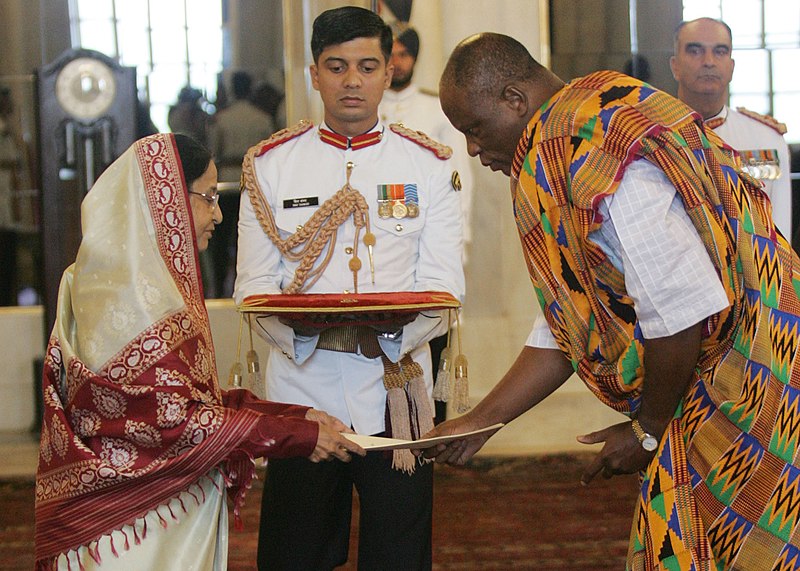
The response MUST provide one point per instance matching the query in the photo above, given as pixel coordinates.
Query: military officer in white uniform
(410, 254)
(417, 247)
(703, 67)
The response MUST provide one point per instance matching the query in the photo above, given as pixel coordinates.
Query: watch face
(649, 443)
(85, 88)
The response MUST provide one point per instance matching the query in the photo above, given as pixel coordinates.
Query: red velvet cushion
(372, 308)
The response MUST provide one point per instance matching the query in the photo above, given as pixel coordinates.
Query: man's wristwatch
(648, 441)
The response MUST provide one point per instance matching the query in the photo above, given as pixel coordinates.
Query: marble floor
(18, 454)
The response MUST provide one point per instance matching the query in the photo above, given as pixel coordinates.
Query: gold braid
(305, 246)
(441, 151)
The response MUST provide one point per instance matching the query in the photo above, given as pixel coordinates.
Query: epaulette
(441, 151)
(280, 137)
(765, 120)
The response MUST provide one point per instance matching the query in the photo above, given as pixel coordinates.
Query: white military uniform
(410, 254)
(748, 136)
(422, 111)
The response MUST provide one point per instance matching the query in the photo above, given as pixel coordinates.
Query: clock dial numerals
(85, 88)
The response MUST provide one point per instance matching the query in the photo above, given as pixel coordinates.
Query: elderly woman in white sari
(139, 444)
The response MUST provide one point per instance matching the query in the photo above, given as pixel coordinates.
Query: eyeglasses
(211, 199)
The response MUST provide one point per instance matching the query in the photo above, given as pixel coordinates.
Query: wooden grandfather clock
(86, 118)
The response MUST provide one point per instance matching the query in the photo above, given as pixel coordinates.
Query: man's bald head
(676, 37)
(485, 62)
(490, 89)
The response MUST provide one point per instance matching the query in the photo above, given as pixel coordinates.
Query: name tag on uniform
(300, 202)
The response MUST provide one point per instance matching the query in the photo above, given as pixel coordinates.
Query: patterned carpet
(496, 513)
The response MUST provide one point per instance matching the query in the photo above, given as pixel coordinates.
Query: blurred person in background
(234, 129)
(187, 116)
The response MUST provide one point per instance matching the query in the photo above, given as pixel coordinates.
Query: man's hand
(330, 443)
(669, 370)
(534, 375)
(621, 454)
(459, 451)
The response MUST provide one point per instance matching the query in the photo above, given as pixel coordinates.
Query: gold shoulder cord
(305, 246)
(767, 120)
(437, 148)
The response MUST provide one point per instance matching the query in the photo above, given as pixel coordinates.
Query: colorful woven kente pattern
(723, 491)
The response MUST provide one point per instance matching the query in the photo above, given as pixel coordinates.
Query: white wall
(22, 341)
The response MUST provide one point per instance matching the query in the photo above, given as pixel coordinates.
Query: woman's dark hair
(340, 25)
(194, 157)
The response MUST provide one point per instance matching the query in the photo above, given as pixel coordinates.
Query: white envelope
(380, 443)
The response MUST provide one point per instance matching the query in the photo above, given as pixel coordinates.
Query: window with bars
(766, 48)
(171, 43)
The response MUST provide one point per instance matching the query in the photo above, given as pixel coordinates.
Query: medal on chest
(398, 201)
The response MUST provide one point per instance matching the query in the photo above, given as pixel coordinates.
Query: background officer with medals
(351, 205)
(703, 67)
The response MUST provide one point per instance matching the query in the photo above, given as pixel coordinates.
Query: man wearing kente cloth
(663, 285)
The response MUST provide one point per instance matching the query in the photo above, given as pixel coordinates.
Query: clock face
(85, 88)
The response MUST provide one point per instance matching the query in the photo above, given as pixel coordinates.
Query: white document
(380, 443)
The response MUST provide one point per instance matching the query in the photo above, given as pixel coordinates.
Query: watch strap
(638, 431)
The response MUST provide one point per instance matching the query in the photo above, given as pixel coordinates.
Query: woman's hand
(324, 419)
(330, 443)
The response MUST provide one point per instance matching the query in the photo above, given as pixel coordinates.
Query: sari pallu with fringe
(103, 470)
(723, 489)
(126, 437)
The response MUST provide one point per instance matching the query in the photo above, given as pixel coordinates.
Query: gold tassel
(422, 420)
(442, 387)
(461, 390)
(236, 374)
(255, 379)
(399, 418)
